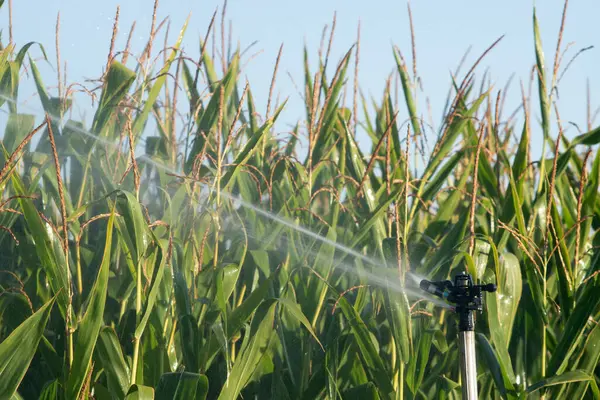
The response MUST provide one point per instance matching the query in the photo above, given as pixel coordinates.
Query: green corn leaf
(225, 285)
(18, 349)
(574, 327)
(140, 392)
(505, 273)
(329, 113)
(375, 220)
(435, 229)
(308, 86)
(397, 306)
(41, 88)
(52, 262)
(332, 358)
(295, 310)
(408, 95)
(366, 391)
(588, 364)
(512, 210)
(503, 384)
(202, 388)
(9, 85)
(209, 115)
(17, 127)
(25, 49)
(395, 133)
(157, 85)
(562, 260)
(323, 265)
(487, 179)
(157, 276)
(133, 227)
(443, 254)
(117, 370)
(260, 259)
(357, 168)
(181, 386)
(253, 123)
(567, 377)
(101, 393)
(589, 138)
(368, 352)
(181, 291)
(590, 201)
(250, 148)
(52, 391)
(211, 75)
(188, 329)
(119, 79)
(192, 91)
(418, 362)
(504, 303)
(447, 142)
(14, 310)
(240, 315)
(86, 335)
(259, 335)
(435, 184)
(520, 161)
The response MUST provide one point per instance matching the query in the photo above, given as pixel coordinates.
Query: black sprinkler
(462, 294)
(465, 298)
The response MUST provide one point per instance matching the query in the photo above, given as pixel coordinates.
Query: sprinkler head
(462, 294)
(436, 288)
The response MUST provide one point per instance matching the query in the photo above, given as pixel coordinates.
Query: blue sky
(444, 30)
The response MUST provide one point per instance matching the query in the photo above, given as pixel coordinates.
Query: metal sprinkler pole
(468, 366)
(467, 299)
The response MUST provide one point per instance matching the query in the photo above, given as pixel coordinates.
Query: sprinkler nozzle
(433, 288)
(462, 294)
(490, 287)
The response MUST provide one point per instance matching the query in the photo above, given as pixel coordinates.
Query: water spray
(466, 299)
(340, 263)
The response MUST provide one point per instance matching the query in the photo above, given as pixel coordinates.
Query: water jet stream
(412, 291)
(380, 281)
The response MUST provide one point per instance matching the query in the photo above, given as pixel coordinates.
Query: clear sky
(444, 30)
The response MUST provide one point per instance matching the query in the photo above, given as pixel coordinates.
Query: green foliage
(213, 265)
(17, 350)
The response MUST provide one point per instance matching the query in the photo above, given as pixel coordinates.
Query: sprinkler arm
(462, 294)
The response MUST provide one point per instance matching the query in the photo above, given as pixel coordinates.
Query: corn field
(182, 245)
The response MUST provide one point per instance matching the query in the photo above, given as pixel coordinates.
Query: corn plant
(178, 246)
